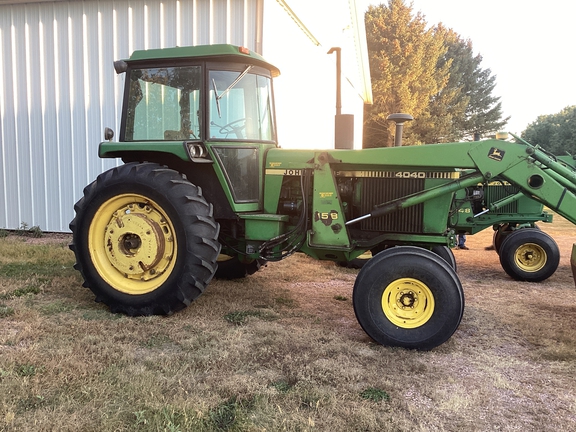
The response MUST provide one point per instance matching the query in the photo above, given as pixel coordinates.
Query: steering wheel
(232, 127)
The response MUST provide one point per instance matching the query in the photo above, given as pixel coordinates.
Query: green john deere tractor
(203, 177)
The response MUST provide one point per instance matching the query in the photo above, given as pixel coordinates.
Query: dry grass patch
(281, 350)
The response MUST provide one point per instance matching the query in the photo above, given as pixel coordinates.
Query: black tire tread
(408, 261)
(529, 235)
(192, 213)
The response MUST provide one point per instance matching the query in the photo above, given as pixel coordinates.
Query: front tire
(145, 240)
(500, 234)
(443, 252)
(408, 297)
(529, 254)
(447, 255)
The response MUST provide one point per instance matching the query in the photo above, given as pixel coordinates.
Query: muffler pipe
(399, 119)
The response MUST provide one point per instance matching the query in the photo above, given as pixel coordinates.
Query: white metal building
(58, 88)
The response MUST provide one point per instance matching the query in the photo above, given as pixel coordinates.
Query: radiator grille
(496, 192)
(380, 190)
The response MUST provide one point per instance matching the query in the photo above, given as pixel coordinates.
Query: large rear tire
(408, 297)
(145, 240)
(529, 254)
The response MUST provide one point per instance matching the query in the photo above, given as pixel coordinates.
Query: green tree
(554, 132)
(448, 106)
(432, 74)
(483, 114)
(404, 59)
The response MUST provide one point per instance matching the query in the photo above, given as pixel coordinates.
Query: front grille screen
(497, 191)
(380, 190)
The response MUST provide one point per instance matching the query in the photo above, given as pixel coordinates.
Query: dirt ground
(510, 365)
(513, 356)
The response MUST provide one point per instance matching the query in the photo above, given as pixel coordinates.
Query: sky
(527, 44)
(305, 91)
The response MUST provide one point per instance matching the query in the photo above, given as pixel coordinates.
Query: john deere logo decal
(496, 154)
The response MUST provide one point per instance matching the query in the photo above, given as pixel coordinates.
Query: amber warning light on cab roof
(244, 50)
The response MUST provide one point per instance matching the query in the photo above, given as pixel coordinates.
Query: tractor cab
(208, 105)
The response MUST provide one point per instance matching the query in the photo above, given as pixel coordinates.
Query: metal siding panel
(136, 25)
(121, 30)
(236, 15)
(93, 102)
(4, 131)
(110, 84)
(58, 88)
(170, 27)
(64, 144)
(254, 25)
(203, 23)
(77, 80)
(153, 24)
(52, 192)
(120, 50)
(219, 21)
(22, 177)
(186, 24)
(35, 155)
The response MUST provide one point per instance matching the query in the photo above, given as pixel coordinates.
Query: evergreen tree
(448, 106)
(431, 74)
(555, 132)
(483, 114)
(404, 57)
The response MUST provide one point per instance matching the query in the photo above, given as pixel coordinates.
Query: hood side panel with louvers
(379, 190)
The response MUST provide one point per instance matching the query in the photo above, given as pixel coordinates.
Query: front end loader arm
(537, 174)
(546, 180)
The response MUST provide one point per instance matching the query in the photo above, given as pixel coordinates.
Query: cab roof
(216, 52)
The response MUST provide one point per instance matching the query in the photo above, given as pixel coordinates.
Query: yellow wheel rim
(132, 243)
(224, 258)
(408, 303)
(365, 256)
(530, 257)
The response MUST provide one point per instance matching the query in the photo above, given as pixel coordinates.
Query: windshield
(164, 104)
(240, 106)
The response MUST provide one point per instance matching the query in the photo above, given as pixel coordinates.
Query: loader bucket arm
(537, 173)
(532, 170)
(550, 182)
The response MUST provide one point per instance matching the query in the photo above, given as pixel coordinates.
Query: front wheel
(443, 252)
(446, 254)
(529, 254)
(499, 235)
(145, 239)
(408, 297)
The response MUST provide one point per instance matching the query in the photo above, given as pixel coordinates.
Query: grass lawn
(281, 350)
